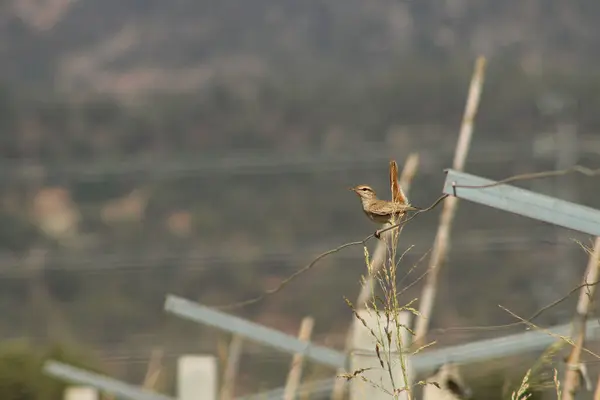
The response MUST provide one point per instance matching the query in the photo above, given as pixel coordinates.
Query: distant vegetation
(21, 376)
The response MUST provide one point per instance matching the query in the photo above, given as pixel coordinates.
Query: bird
(378, 210)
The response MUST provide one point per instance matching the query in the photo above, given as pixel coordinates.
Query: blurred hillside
(204, 148)
(129, 47)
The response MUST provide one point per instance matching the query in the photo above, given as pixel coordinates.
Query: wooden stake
(152, 372)
(295, 374)
(442, 239)
(233, 359)
(586, 294)
(154, 369)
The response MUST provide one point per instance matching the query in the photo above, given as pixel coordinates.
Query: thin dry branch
(564, 339)
(442, 238)
(514, 324)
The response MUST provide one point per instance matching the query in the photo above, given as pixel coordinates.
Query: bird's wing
(404, 207)
(381, 207)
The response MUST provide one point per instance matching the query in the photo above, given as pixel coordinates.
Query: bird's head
(364, 192)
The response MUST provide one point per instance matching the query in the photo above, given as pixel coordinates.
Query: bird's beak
(352, 189)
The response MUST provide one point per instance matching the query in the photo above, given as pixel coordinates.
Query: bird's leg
(379, 231)
(386, 227)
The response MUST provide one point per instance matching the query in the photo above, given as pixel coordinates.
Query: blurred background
(204, 148)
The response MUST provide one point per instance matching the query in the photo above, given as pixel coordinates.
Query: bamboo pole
(154, 369)
(442, 239)
(295, 374)
(408, 172)
(231, 368)
(586, 294)
(152, 372)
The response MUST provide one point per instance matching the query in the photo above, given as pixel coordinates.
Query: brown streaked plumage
(377, 210)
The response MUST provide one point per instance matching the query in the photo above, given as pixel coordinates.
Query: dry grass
(391, 347)
(387, 306)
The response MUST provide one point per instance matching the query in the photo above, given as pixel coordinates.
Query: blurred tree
(21, 376)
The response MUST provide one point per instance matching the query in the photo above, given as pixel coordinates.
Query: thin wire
(302, 270)
(292, 277)
(405, 221)
(377, 234)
